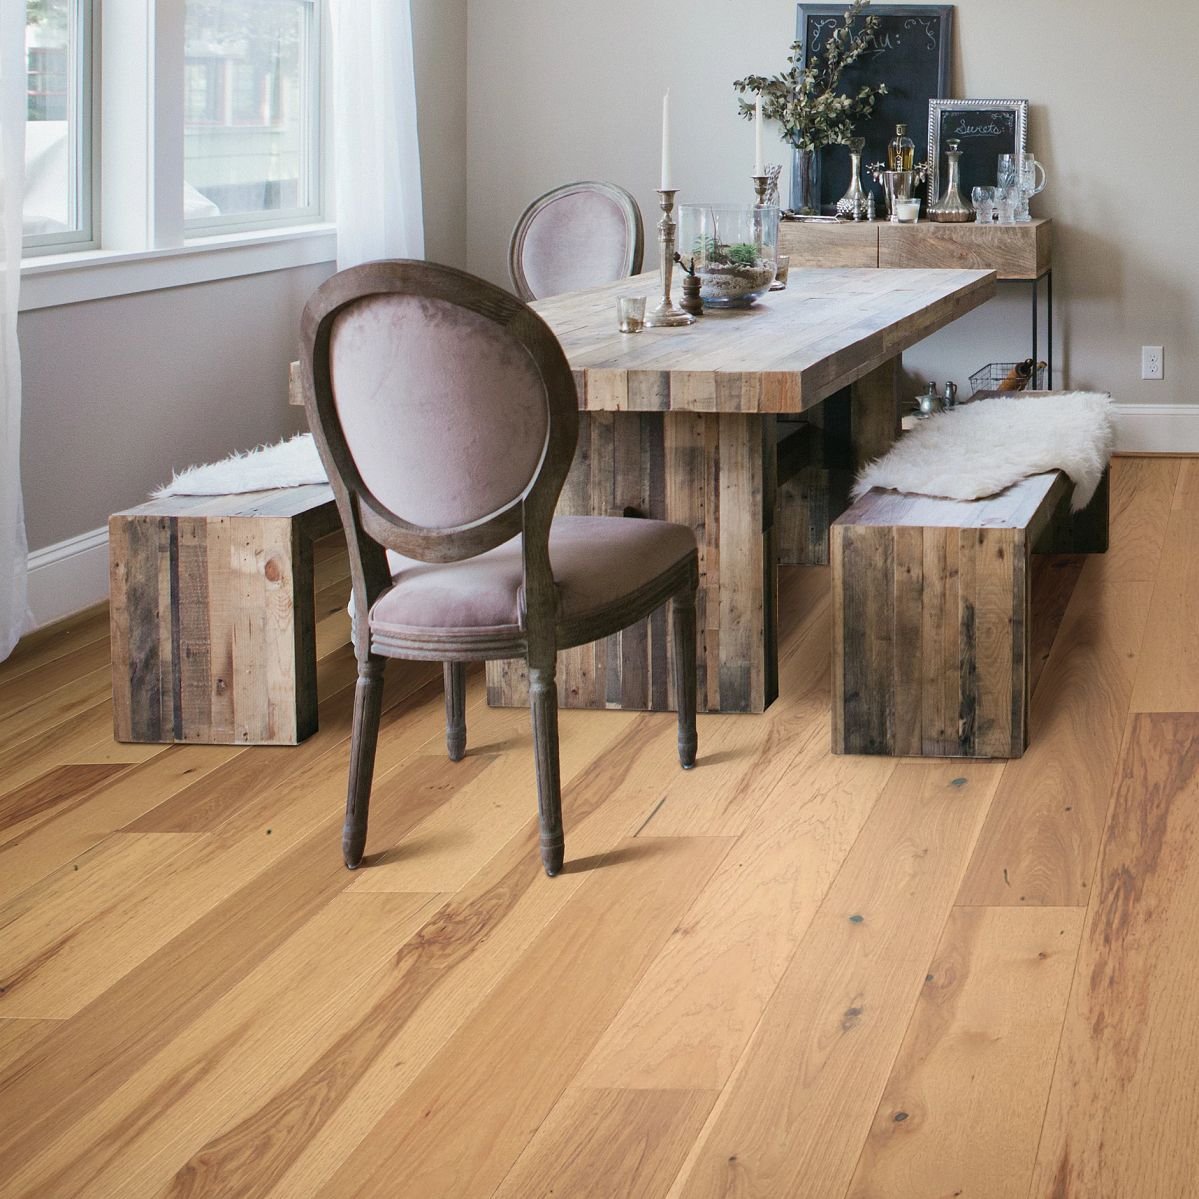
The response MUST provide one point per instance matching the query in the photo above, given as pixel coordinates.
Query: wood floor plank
(691, 1016)
(66, 941)
(1142, 493)
(1041, 841)
(94, 1053)
(54, 745)
(83, 819)
(46, 796)
(35, 651)
(465, 1120)
(1186, 493)
(795, 1115)
(963, 1107)
(598, 1144)
(38, 685)
(259, 1036)
(1168, 671)
(59, 706)
(1122, 1116)
(19, 1037)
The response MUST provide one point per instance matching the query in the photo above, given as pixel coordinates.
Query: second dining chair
(573, 237)
(446, 416)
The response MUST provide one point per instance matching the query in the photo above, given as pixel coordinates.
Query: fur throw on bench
(291, 463)
(980, 448)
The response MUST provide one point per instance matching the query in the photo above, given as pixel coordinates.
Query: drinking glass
(782, 265)
(1007, 202)
(983, 199)
(1008, 172)
(630, 313)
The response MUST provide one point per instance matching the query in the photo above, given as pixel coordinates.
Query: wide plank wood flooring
(784, 974)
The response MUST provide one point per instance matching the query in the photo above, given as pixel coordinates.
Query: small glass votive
(782, 264)
(907, 211)
(630, 313)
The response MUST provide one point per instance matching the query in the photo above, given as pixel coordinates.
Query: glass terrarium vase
(735, 250)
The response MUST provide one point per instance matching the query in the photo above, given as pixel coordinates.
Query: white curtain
(13, 548)
(376, 160)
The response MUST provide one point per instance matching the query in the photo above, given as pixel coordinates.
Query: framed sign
(910, 54)
(985, 128)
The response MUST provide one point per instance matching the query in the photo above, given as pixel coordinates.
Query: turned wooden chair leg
(683, 620)
(455, 709)
(368, 704)
(543, 701)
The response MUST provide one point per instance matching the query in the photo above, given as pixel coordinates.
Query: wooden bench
(213, 617)
(931, 616)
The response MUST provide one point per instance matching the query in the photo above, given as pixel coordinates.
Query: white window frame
(141, 240)
(83, 48)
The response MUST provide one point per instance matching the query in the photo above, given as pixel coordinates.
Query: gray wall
(570, 89)
(119, 392)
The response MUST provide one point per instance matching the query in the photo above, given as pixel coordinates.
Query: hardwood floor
(782, 974)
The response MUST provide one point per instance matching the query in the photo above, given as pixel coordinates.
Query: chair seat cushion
(597, 561)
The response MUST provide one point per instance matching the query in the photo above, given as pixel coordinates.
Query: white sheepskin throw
(287, 464)
(980, 448)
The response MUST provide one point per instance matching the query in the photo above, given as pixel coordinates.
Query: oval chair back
(577, 236)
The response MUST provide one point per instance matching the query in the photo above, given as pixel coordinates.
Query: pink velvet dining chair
(446, 416)
(573, 237)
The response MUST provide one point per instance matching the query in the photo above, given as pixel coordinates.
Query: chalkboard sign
(985, 129)
(910, 55)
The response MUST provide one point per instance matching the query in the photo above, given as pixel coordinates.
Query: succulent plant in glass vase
(806, 100)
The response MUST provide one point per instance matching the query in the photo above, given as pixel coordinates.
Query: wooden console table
(1014, 252)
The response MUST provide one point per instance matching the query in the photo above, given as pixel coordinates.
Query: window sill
(54, 280)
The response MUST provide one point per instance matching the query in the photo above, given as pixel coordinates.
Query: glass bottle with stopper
(852, 205)
(901, 152)
(952, 207)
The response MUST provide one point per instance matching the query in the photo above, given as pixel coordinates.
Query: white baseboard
(68, 577)
(1157, 428)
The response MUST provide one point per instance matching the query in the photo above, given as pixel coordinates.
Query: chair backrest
(576, 236)
(444, 410)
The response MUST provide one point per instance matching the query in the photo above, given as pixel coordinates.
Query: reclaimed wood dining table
(680, 424)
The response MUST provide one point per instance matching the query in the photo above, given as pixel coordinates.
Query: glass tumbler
(1007, 203)
(630, 313)
(983, 199)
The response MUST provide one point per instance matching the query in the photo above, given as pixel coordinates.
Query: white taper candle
(667, 172)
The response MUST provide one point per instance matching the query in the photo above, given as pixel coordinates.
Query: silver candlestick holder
(667, 314)
(762, 187)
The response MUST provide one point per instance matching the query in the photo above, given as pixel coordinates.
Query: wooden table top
(788, 352)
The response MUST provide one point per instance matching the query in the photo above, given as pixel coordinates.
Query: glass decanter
(852, 205)
(951, 207)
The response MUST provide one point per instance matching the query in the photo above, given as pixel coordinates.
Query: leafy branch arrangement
(804, 99)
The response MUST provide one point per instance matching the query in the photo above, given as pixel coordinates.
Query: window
(250, 112)
(232, 144)
(58, 167)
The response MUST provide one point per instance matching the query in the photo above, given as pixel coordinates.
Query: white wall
(571, 89)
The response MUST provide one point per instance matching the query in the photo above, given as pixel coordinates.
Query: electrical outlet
(1152, 362)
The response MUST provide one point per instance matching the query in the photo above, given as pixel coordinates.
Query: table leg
(714, 472)
(853, 427)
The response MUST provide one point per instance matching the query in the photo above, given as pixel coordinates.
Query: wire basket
(990, 378)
